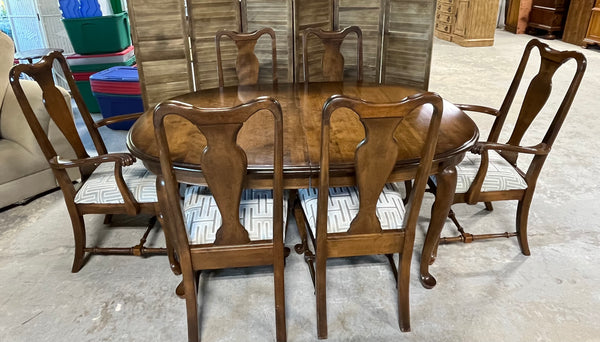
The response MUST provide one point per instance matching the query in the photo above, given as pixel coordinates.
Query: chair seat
(102, 188)
(500, 175)
(203, 219)
(343, 206)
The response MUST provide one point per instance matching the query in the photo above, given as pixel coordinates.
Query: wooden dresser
(466, 22)
(549, 16)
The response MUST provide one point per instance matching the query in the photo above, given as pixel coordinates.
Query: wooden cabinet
(518, 15)
(466, 22)
(548, 15)
(578, 19)
(593, 32)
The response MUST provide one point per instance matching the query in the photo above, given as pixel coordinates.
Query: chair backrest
(246, 65)
(223, 165)
(58, 109)
(333, 60)
(376, 156)
(536, 96)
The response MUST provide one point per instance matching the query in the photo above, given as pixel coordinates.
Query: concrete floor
(487, 291)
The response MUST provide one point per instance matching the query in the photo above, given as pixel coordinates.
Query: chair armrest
(480, 109)
(121, 159)
(539, 149)
(132, 207)
(118, 118)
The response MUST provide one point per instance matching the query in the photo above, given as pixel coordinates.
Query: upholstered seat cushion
(500, 174)
(203, 219)
(343, 206)
(101, 186)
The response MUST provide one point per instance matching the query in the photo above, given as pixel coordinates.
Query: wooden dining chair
(490, 172)
(111, 183)
(246, 64)
(369, 218)
(222, 225)
(332, 62)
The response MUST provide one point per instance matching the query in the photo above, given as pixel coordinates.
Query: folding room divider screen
(175, 48)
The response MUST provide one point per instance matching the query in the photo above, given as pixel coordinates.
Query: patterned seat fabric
(343, 207)
(101, 186)
(500, 174)
(202, 216)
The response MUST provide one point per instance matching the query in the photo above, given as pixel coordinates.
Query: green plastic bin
(97, 35)
(88, 97)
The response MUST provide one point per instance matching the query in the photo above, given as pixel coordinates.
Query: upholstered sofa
(24, 172)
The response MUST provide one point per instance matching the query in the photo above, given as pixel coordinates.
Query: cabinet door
(462, 15)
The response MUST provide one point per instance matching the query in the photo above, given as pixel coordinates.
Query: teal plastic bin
(96, 35)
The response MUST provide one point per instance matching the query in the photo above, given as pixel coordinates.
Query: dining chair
(222, 225)
(246, 63)
(369, 218)
(490, 172)
(332, 61)
(111, 183)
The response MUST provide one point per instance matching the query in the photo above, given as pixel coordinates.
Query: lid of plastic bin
(117, 74)
(116, 57)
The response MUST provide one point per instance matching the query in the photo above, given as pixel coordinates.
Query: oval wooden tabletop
(302, 107)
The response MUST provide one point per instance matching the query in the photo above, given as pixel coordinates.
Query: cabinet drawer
(444, 7)
(443, 27)
(444, 18)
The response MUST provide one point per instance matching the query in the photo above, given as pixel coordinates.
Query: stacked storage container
(118, 92)
(100, 38)
(83, 66)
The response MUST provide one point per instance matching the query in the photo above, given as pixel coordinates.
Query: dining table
(302, 111)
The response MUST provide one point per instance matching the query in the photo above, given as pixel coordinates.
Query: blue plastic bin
(113, 105)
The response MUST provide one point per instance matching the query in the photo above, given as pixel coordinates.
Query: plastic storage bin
(117, 91)
(96, 35)
(83, 84)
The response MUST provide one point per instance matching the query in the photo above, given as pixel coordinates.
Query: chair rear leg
(403, 295)
(278, 270)
(522, 216)
(190, 285)
(321, 292)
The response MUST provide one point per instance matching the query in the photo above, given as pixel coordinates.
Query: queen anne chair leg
(79, 235)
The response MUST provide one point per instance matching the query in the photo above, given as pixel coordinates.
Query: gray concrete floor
(486, 291)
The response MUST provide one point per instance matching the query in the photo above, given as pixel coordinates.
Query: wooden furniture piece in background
(206, 231)
(518, 16)
(490, 173)
(301, 126)
(578, 19)
(174, 39)
(376, 224)
(112, 183)
(331, 66)
(247, 67)
(467, 22)
(593, 33)
(549, 16)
